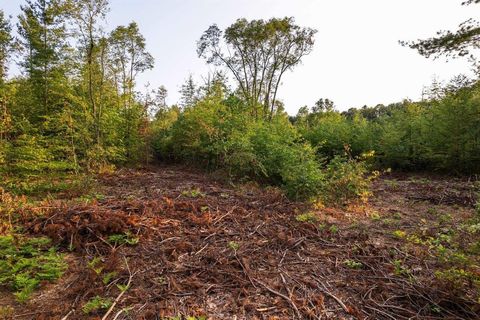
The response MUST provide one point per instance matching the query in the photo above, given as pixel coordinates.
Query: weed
(25, 263)
(120, 239)
(333, 228)
(6, 312)
(95, 304)
(233, 245)
(107, 278)
(399, 234)
(122, 287)
(193, 193)
(352, 264)
(458, 277)
(96, 265)
(445, 218)
(397, 216)
(375, 216)
(307, 217)
(400, 269)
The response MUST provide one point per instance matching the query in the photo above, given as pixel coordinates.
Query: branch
(122, 292)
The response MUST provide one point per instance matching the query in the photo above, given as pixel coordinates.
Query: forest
(117, 205)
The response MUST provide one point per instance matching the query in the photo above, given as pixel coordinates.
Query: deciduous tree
(258, 53)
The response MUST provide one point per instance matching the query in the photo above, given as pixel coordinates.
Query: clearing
(187, 244)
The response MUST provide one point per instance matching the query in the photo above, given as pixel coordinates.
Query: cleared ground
(196, 247)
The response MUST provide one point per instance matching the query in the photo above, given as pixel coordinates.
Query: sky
(356, 61)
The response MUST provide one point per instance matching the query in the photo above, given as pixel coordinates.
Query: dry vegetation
(169, 242)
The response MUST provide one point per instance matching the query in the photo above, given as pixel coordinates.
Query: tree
(88, 14)
(257, 53)
(42, 27)
(6, 45)
(323, 105)
(128, 57)
(461, 43)
(188, 93)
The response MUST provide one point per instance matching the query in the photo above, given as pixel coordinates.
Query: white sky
(356, 61)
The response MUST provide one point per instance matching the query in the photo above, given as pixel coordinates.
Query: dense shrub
(441, 133)
(216, 135)
(347, 179)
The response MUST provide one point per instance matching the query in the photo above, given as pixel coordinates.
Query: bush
(286, 160)
(216, 136)
(347, 179)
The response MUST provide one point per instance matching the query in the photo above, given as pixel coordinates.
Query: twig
(297, 312)
(68, 314)
(122, 292)
(245, 271)
(340, 302)
(118, 314)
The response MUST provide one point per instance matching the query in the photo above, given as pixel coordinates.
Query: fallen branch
(340, 302)
(122, 292)
(297, 312)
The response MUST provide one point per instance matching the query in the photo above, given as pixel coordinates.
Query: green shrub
(95, 304)
(24, 263)
(346, 180)
(215, 135)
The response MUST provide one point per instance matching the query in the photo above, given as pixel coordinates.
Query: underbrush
(348, 180)
(453, 249)
(26, 263)
(218, 136)
(43, 184)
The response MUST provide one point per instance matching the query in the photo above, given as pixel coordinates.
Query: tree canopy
(257, 53)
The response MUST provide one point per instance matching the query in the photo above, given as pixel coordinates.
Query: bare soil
(210, 249)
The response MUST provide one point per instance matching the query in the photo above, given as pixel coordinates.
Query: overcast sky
(356, 60)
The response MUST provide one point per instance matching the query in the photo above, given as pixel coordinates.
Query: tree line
(76, 106)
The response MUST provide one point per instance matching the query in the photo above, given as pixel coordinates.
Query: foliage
(120, 239)
(257, 53)
(25, 263)
(440, 133)
(220, 133)
(463, 42)
(96, 304)
(307, 217)
(347, 179)
(352, 264)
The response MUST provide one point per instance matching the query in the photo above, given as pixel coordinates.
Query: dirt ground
(206, 248)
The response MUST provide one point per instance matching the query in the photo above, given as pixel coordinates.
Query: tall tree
(128, 57)
(257, 53)
(188, 93)
(42, 27)
(6, 46)
(323, 105)
(463, 42)
(88, 15)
